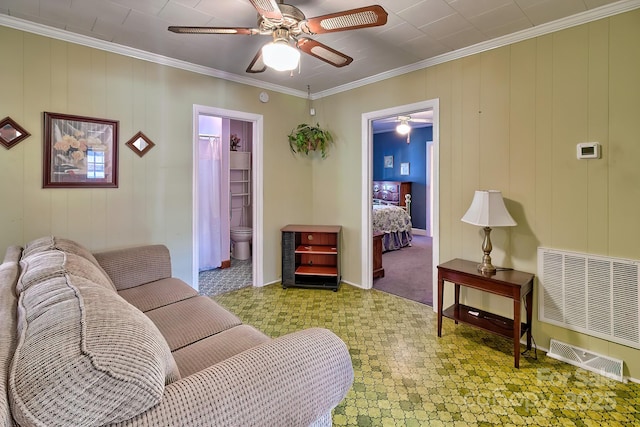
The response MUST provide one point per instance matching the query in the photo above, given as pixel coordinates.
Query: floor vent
(603, 365)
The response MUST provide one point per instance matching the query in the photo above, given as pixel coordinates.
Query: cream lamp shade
(488, 210)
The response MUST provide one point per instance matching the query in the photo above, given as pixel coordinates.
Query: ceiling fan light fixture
(403, 128)
(280, 55)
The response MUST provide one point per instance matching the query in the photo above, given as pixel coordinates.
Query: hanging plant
(307, 138)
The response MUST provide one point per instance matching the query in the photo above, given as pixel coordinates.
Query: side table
(507, 283)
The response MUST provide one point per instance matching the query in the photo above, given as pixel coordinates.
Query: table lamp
(488, 210)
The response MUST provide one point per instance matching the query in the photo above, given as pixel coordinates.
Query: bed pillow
(84, 356)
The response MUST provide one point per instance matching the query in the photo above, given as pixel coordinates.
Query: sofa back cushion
(84, 356)
(123, 265)
(48, 243)
(43, 265)
(9, 271)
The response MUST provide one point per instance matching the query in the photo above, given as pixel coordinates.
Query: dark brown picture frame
(80, 152)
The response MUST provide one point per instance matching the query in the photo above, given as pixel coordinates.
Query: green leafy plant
(306, 138)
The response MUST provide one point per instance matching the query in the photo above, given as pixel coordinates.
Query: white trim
(539, 30)
(529, 33)
(367, 157)
(81, 39)
(257, 189)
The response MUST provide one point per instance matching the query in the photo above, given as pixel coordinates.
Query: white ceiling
(416, 31)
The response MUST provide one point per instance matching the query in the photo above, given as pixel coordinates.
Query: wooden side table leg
(529, 303)
(457, 299)
(516, 332)
(440, 298)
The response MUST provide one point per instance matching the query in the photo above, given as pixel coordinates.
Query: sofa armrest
(136, 266)
(289, 381)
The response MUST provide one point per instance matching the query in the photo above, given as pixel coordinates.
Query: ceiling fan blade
(370, 16)
(267, 8)
(213, 30)
(257, 64)
(323, 52)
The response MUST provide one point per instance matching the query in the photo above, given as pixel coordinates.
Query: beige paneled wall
(153, 203)
(510, 119)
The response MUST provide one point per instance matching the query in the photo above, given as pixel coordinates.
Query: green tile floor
(406, 376)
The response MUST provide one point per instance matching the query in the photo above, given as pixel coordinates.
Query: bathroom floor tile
(221, 280)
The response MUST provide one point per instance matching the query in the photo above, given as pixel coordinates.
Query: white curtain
(209, 212)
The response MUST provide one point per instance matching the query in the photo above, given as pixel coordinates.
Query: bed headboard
(392, 193)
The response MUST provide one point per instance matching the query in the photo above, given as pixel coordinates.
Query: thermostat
(588, 150)
(264, 97)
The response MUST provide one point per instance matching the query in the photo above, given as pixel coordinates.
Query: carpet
(408, 271)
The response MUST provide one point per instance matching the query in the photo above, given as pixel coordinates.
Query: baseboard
(419, 232)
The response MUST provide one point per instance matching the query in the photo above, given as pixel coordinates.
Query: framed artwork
(11, 133)
(388, 161)
(80, 152)
(404, 168)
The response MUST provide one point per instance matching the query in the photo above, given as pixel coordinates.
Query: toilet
(241, 237)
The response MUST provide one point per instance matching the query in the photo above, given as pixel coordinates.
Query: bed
(395, 223)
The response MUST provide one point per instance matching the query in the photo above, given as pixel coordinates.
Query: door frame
(367, 177)
(257, 190)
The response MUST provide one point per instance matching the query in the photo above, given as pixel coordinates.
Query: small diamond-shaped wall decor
(140, 144)
(11, 133)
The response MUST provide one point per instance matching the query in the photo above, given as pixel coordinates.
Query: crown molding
(67, 36)
(529, 33)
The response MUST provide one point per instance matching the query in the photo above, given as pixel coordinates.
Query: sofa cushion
(43, 265)
(124, 265)
(216, 348)
(158, 294)
(84, 356)
(48, 243)
(191, 320)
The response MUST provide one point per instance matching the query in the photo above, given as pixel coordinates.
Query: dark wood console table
(507, 283)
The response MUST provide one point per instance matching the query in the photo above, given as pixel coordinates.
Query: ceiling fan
(404, 128)
(287, 23)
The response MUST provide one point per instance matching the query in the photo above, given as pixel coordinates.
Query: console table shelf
(490, 322)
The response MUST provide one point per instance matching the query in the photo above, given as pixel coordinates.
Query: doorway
(254, 125)
(402, 227)
(367, 159)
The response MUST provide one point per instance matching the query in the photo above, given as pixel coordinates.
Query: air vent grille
(603, 365)
(591, 294)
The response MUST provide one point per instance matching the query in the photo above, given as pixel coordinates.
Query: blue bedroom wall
(414, 153)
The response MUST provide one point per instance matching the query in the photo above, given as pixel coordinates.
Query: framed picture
(80, 152)
(388, 161)
(404, 168)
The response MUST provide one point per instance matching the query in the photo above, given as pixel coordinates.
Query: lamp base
(486, 267)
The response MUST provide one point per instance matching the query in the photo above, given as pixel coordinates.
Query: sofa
(112, 338)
